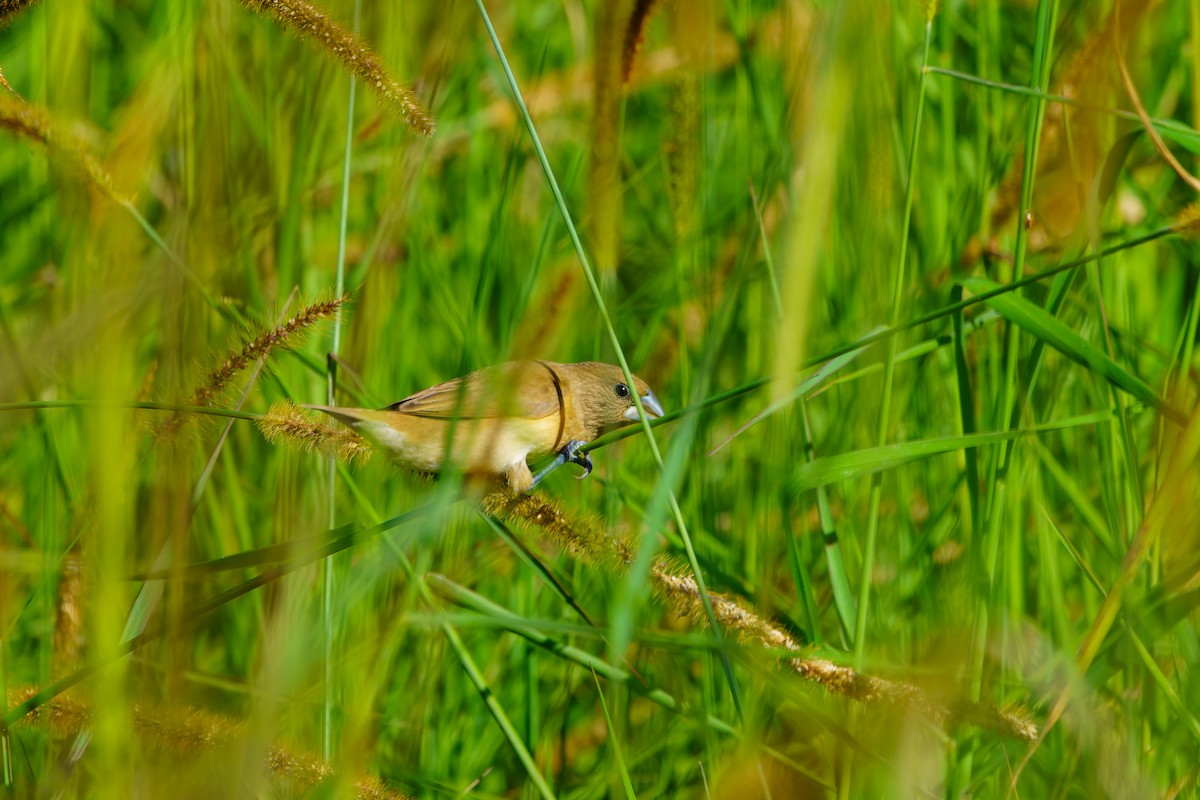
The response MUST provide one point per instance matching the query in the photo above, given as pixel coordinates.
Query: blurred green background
(764, 186)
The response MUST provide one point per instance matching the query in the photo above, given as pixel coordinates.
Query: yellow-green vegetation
(914, 281)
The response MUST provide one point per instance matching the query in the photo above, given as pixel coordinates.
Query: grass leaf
(1056, 334)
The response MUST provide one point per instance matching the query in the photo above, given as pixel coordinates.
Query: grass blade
(612, 738)
(1035, 321)
(844, 466)
(806, 387)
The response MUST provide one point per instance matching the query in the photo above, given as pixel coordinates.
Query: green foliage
(193, 608)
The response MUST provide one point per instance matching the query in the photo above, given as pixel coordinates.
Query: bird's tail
(349, 416)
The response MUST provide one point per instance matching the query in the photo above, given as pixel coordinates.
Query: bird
(490, 422)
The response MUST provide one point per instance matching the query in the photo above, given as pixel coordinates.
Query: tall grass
(914, 280)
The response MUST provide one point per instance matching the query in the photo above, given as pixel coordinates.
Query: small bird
(491, 421)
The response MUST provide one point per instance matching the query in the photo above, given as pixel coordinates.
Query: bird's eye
(622, 390)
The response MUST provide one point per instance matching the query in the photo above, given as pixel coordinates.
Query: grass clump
(587, 539)
(911, 280)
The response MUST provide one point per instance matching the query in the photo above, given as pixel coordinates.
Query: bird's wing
(515, 389)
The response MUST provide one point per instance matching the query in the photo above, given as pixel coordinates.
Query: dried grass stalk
(1136, 99)
(69, 628)
(604, 181)
(191, 731)
(635, 34)
(305, 21)
(682, 153)
(35, 123)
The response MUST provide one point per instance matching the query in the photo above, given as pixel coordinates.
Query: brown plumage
(493, 420)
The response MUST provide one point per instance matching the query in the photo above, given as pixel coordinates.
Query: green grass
(916, 431)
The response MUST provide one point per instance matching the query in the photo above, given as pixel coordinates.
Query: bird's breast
(487, 445)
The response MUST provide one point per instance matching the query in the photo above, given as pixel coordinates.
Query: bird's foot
(573, 456)
(569, 454)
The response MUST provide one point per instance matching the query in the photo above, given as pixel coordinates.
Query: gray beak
(654, 409)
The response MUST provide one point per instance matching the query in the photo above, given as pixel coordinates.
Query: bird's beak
(654, 409)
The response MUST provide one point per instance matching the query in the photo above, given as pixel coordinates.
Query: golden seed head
(304, 20)
(34, 123)
(1187, 222)
(287, 422)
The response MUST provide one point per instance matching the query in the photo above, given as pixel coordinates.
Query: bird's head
(603, 398)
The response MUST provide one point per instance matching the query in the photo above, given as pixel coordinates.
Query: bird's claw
(573, 456)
